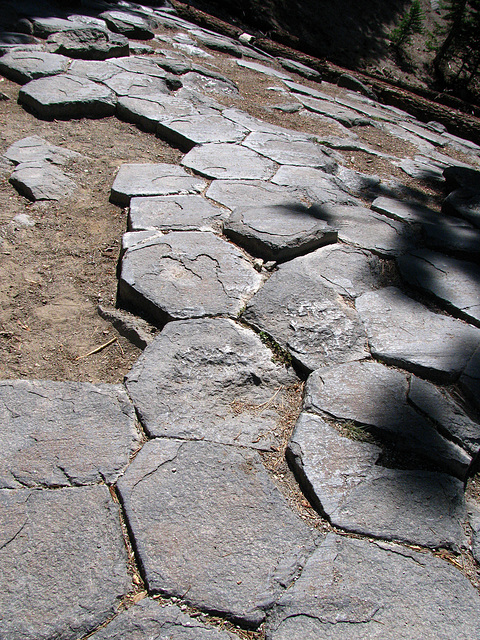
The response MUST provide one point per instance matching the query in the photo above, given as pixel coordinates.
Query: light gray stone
(189, 130)
(46, 25)
(453, 283)
(64, 433)
(228, 161)
(152, 180)
(474, 522)
(67, 96)
(436, 139)
(230, 544)
(431, 345)
(347, 117)
(39, 180)
(210, 380)
(138, 331)
(180, 213)
(464, 202)
(249, 193)
(278, 232)
(36, 149)
(255, 124)
(217, 42)
(354, 84)
(23, 66)
(208, 84)
(422, 168)
(359, 184)
(136, 85)
(306, 317)
(150, 619)
(366, 229)
(348, 483)
(148, 111)
(63, 562)
(140, 64)
(291, 149)
(261, 68)
(322, 187)
(94, 70)
(370, 394)
(296, 87)
(405, 211)
(186, 274)
(357, 590)
(129, 24)
(301, 69)
(89, 43)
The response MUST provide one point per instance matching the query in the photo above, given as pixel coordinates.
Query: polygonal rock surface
(306, 317)
(209, 83)
(187, 131)
(63, 562)
(23, 66)
(187, 275)
(464, 202)
(278, 232)
(363, 590)
(405, 211)
(64, 433)
(67, 96)
(44, 26)
(422, 168)
(432, 345)
(291, 149)
(261, 68)
(136, 85)
(95, 70)
(34, 148)
(250, 193)
(149, 619)
(229, 161)
(152, 180)
(210, 526)
(347, 117)
(210, 380)
(373, 395)
(357, 494)
(129, 24)
(41, 181)
(182, 213)
(217, 43)
(301, 69)
(366, 229)
(322, 187)
(148, 111)
(90, 43)
(452, 282)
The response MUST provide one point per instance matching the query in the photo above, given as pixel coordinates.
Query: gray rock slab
(375, 396)
(464, 202)
(148, 112)
(89, 43)
(359, 184)
(129, 24)
(474, 522)
(23, 66)
(136, 85)
(303, 89)
(470, 379)
(249, 193)
(63, 560)
(351, 83)
(362, 590)
(261, 68)
(322, 187)
(67, 96)
(306, 317)
(149, 619)
(180, 213)
(209, 84)
(255, 124)
(290, 149)
(301, 69)
(436, 139)
(368, 230)
(210, 380)
(152, 180)
(187, 274)
(417, 507)
(422, 168)
(278, 232)
(347, 117)
(439, 406)
(172, 63)
(431, 345)
(210, 527)
(190, 130)
(405, 211)
(64, 433)
(94, 70)
(453, 283)
(217, 43)
(39, 180)
(229, 161)
(46, 25)
(36, 149)
(140, 64)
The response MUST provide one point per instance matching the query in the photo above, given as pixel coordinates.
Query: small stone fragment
(39, 180)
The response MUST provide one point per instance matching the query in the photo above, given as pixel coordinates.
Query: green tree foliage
(412, 22)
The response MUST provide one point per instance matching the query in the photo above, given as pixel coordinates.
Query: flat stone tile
(89, 43)
(190, 130)
(36, 149)
(249, 193)
(230, 545)
(321, 186)
(211, 380)
(261, 68)
(347, 117)
(301, 69)
(63, 560)
(229, 161)
(39, 180)
(136, 85)
(180, 213)
(94, 70)
(23, 66)
(209, 84)
(129, 24)
(148, 111)
(64, 433)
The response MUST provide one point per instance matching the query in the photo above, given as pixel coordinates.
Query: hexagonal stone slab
(210, 380)
(322, 187)
(148, 618)
(278, 232)
(357, 589)
(23, 66)
(152, 180)
(89, 43)
(95, 70)
(136, 85)
(229, 161)
(423, 168)
(432, 345)
(209, 83)
(186, 274)
(63, 559)
(250, 193)
(39, 180)
(453, 283)
(306, 317)
(375, 396)
(67, 96)
(34, 148)
(360, 495)
(347, 117)
(292, 149)
(405, 211)
(210, 527)
(64, 433)
(188, 131)
(181, 213)
(148, 111)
